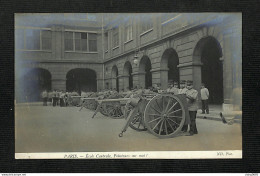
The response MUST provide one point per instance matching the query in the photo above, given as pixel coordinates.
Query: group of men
(186, 88)
(56, 97)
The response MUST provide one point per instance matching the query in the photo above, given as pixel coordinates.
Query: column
(227, 72)
(160, 76)
(121, 82)
(125, 81)
(99, 85)
(138, 79)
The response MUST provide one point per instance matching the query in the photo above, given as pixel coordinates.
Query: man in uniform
(183, 91)
(192, 100)
(45, 97)
(183, 88)
(175, 89)
(170, 86)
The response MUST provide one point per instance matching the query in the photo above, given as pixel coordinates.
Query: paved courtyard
(65, 129)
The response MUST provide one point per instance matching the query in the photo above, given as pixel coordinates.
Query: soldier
(192, 96)
(204, 92)
(183, 88)
(54, 98)
(175, 88)
(45, 97)
(170, 86)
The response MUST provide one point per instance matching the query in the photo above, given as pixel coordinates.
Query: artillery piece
(163, 115)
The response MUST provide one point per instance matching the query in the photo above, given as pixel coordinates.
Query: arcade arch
(145, 75)
(169, 63)
(32, 83)
(208, 51)
(114, 76)
(128, 77)
(81, 80)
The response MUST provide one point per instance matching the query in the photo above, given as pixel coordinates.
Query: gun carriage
(163, 115)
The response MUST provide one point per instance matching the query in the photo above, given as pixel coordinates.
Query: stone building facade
(144, 49)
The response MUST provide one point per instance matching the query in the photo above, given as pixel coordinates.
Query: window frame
(73, 38)
(113, 37)
(40, 40)
(128, 26)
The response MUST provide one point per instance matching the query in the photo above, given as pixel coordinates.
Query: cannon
(111, 107)
(163, 115)
(110, 104)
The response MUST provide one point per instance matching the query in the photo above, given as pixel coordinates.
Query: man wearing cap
(170, 86)
(175, 89)
(191, 96)
(183, 88)
(183, 91)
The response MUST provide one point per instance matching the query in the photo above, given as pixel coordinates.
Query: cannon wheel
(91, 104)
(137, 123)
(164, 116)
(103, 109)
(113, 110)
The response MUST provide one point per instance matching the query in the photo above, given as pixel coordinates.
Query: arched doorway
(115, 82)
(33, 82)
(81, 80)
(128, 79)
(208, 51)
(145, 75)
(170, 62)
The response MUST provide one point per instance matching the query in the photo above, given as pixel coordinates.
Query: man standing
(191, 95)
(183, 88)
(183, 91)
(175, 89)
(204, 98)
(45, 97)
(170, 85)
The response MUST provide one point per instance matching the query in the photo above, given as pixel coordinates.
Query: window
(129, 31)
(106, 41)
(46, 40)
(92, 42)
(69, 41)
(19, 39)
(80, 42)
(32, 39)
(115, 37)
(146, 24)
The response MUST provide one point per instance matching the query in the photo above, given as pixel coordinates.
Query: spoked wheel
(103, 109)
(113, 110)
(137, 123)
(92, 105)
(164, 115)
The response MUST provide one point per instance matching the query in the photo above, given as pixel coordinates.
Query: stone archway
(114, 76)
(208, 51)
(81, 80)
(169, 67)
(128, 77)
(145, 75)
(31, 83)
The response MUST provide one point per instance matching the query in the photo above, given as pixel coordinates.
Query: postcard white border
(218, 154)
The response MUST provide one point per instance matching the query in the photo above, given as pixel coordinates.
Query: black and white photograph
(128, 85)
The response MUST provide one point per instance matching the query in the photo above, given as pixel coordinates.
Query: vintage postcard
(128, 85)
